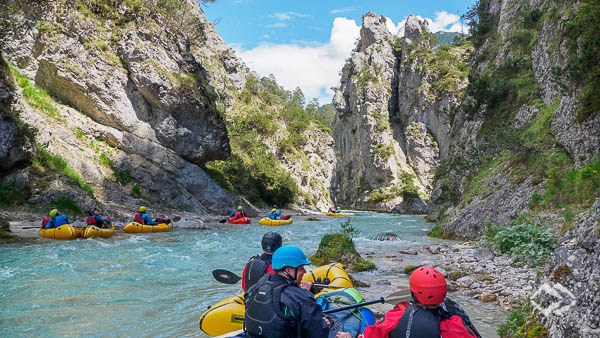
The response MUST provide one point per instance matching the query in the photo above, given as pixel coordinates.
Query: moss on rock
(339, 247)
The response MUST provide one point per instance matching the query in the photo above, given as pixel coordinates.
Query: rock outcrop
(16, 141)
(131, 102)
(393, 120)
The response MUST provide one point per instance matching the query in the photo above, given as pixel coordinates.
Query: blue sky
(305, 43)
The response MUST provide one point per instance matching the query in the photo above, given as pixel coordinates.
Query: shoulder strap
(451, 308)
(277, 305)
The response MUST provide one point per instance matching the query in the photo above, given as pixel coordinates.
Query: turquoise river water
(152, 284)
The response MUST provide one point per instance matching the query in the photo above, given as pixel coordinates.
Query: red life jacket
(45, 221)
(452, 327)
(139, 219)
(91, 220)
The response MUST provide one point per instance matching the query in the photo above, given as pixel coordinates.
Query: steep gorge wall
(393, 119)
(140, 99)
(126, 96)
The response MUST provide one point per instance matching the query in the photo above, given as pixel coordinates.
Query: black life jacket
(255, 268)
(264, 316)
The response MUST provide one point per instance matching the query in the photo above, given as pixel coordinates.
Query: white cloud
(343, 10)
(312, 67)
(288, 15)
(315, 67)
(277, 25)
(441, 22)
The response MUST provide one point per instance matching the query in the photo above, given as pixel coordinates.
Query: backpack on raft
(45, 221)
(139, 219)
(91, 220)
(165, 220)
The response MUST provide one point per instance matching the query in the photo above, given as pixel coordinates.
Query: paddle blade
(176, 218)
(223, 221)
(225, 276)
(398, 297)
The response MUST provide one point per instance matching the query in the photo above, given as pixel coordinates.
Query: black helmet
(91, 211)
(271, 241)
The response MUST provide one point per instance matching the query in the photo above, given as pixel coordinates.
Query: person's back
(55, 220)
(258, 265)
(143, 218)
(277, 307)
(431, 315)
(239, 213)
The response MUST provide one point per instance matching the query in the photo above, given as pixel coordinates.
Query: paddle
(228, 277)
(394, 298)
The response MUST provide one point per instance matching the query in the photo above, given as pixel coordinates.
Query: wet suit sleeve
(99, 220)
(308, 314)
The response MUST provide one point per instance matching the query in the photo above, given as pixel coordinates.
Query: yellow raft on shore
(135, 227)
(275, 222)
(329, 213)
(65, 231)
(228, 315)
(92, 231)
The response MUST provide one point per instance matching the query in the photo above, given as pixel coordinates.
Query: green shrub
(136, 190)
(122, 176)
(439, 232)
(10, 194)
(49, 160)
(349, 230)
(410, 268)
(64, 204)
(4, 225)
(338, 248)
(36, 97)
(514, 322)
(583, 65)
(377, 196)
(525, 241)
(578, 186)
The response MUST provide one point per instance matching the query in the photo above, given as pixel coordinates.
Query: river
(158, 284)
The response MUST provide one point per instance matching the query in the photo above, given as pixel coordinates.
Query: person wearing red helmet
(430, 314)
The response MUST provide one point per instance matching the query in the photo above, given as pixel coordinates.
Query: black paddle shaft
(354, 306)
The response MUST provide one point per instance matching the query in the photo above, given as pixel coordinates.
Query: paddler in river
(275, 214)
(280, 305)
(429, 315)
(238, 214)
(54, 220)
(143, 218)
(258, 265)
(96, 220)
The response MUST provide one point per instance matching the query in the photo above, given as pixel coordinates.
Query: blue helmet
(288, 255)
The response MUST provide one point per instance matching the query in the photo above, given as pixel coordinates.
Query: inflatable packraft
(227, 316)
(65, 231)
(93, 231)
(135, 227)
(241, 220)
(329, 213)
(275, 222)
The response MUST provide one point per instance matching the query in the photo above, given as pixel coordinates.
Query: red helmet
(428, 286)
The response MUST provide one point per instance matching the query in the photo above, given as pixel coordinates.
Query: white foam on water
(7, 272)
(137, 239)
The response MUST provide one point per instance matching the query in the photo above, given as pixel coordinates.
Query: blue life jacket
(56, 222)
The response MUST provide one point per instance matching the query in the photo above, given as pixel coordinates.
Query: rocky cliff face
(393, 114)
(128, 97)
(517, 146)
(136, 100)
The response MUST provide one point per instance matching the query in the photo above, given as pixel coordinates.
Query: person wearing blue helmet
(281, 305)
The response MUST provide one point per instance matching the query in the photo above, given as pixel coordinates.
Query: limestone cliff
(135, 99)
(393, 121)
(525, 142)
(124, 97)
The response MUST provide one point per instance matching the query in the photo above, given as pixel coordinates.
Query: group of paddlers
(57, 219)
(280, 304)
